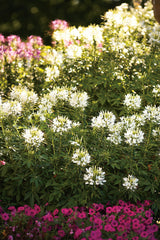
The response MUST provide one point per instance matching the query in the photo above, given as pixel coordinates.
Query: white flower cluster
(23, 95)
(83, 35)
(78, 99)
(74, 51)
(115, 131)
(133, 136)
(33, 136)
(94, 176)
(51, 73)
(81, 157)
(136, 120)
(156, 90)
(104, 119)
(130, 182)
(156, 132)
(8, 108)
(62, 124)
(53, 57)
(75, 98)
(132, 101)
(152, 113)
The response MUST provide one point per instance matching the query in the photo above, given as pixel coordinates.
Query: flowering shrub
(124, 221)
(79, 121)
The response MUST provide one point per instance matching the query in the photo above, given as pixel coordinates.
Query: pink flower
(82, 215)
(37, 208)
(5, 216)
(144, 234)
(95, 234)
(91, 211)
(20, 209)
(10, 237)
(148, 214)
(55, 212)
(135, 238)
(120, 228)
(61, 233)
(77, 233)
(2, 163)
(59, 24)
(2, 38)
(114, 223)
(108, 210)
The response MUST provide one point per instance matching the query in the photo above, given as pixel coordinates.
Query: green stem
(148, 140)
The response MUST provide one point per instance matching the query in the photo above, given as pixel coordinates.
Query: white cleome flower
(152, 113)
(33, 136)
(132, 101)
(78, 99)
(133, 136)
(156, 90)
(9, 108)
(130, 182)
(104, 119)
(62, 124)
(23, 95)
(74, 51)
(81, 157)
(94, 176)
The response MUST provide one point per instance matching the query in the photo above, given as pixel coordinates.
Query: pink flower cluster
(2, 163)
(124, 221)
(12, 47)
(59, 24)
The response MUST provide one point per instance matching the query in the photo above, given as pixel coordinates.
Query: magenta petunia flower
(77, 233)
(55, 212)
(135, 238)
(109, 210)
(82, 215)
(61, 233)
(91, 211)
(144, 234)
(5, 216)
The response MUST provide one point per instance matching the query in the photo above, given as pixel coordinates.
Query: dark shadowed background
(32, 17)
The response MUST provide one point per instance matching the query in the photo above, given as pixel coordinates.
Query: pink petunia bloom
(20, 209)
(148, 214)
(135, 238)
(95, 234)
(109, 210)
(91, 211)
(37, 208)
(77, 233)
(144, 234)
(5, 216)
(55, 212)
(61, 233)
(88, 228)
(120, 228)
(82, 215)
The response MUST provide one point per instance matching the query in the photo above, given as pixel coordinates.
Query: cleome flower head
(23, 95)
(134, 136)
(81, 157)
(33, 136)
(132, 101)
(130, 182)
(94, 176)
(62, 124)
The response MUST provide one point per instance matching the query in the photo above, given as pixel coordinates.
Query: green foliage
(83, 81)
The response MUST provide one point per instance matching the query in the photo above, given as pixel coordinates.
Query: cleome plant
(80, 120)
